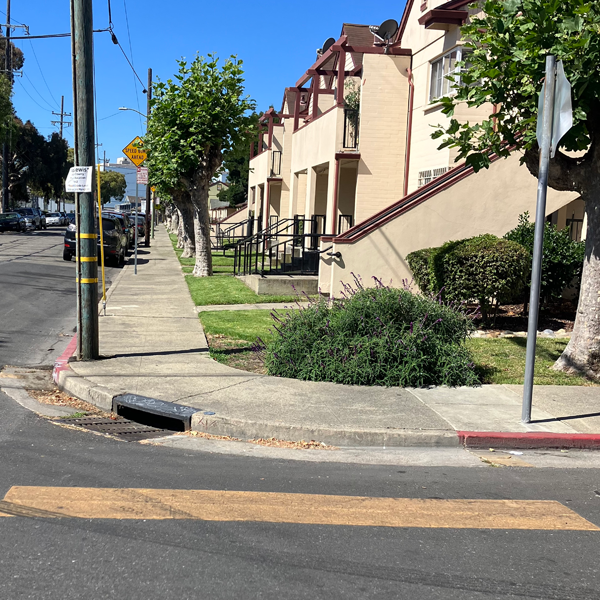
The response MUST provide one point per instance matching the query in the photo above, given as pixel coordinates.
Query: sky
(276, 42)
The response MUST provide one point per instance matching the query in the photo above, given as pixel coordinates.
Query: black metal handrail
(225, 239)
(275, 163)
(345, 222)
(290, 246)
(351, 127)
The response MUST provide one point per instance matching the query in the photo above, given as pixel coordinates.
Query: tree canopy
(504, 70)
(112, 185)
(196, 118)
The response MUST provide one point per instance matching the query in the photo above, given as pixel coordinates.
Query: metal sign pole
(538, 242)
(135, 226)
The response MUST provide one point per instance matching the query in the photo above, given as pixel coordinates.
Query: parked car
(65, 219)
(43, 223)
(32, 216)
(12, 221)
(141, 225)
(114, 238)
(70, 218)
(127, 224)
(54, 219)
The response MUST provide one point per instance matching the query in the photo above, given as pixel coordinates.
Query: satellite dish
(328, 43)
(387, 30)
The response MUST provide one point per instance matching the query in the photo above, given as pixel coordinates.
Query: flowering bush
(374, 336)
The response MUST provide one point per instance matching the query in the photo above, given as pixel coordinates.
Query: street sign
(79, 179)
(134, 152)
(142, 175)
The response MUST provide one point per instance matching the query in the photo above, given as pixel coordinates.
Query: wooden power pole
(5, 145)
(83, 68)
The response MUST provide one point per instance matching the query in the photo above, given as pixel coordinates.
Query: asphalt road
(48, 558)
(37, 297)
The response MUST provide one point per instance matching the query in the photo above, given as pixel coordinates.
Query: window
(444, 73)
(428, 176)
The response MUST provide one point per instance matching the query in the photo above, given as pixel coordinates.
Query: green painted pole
(88, 258)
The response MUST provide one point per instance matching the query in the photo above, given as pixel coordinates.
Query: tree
(237, 164)
(194, 121)
(112, 185)
(509, 43)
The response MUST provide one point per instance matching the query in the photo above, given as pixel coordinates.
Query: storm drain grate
(123, 429)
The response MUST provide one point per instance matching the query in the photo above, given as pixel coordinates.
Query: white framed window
(429, 175)
(445, 73)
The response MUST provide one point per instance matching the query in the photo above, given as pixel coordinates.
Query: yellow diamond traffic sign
(134, 152)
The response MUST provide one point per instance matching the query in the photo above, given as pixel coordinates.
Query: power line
(109, 116)
(37, 92)
(42, 74)
(132, 63)
(32, 98)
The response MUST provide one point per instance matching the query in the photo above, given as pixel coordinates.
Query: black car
(127, 223)
(12, 221)
(70, 218)
(141, 225)
(114, 237)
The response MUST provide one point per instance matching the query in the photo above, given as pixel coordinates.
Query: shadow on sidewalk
(168, 353)
(596, 414)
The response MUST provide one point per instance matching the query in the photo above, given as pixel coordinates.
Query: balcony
(351, 128)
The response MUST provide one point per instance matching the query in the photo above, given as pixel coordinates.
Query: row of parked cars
(25, 219)
(118, 235)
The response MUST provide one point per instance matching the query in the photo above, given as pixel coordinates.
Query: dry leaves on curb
(58, 398)
(271, 442)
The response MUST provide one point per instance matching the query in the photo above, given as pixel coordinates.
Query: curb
(215, 425)
(529, 441)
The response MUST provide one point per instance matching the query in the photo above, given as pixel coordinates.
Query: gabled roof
(450, 5)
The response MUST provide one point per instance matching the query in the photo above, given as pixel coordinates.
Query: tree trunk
(199, 197)
(173, 220)
(186, 234)
(582, 354)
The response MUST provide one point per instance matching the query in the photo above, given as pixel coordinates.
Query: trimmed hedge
(481, 268)
(562, 259)
(374, 336)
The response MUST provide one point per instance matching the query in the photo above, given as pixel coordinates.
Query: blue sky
(276, 45)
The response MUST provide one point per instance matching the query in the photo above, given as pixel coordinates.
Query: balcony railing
(351, 128)
(276, 163)
(345, 222)
(288, 246)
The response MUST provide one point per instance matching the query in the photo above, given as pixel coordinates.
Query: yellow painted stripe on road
(86, 258)
(86, 280)
(88, 236)
(215, 505)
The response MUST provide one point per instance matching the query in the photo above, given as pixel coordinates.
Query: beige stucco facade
(376, 188)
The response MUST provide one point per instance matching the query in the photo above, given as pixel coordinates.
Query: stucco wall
(487, 202)
(382, 141)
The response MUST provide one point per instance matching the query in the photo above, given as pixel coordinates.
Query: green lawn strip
(246, 325)
(502, 361)
(227, 290)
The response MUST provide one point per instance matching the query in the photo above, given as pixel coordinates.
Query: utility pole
(61, 114)
(5, 145)
(83, 68)
(149, 208)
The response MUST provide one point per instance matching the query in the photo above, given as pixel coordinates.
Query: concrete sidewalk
(153, 346)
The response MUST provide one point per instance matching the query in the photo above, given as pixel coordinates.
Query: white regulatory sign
(79, 179)
(142, 175)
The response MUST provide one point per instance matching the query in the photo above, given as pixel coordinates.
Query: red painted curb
(531, 440)
(62, 362)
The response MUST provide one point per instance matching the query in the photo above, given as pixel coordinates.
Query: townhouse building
(350, 157)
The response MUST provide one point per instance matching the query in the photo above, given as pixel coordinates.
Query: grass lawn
(226, 290)
(500, 361)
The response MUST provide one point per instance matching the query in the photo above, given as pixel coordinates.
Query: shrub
(483, 268)
(374, 336)
(562, 258)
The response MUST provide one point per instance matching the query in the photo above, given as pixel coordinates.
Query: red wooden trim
(404, 20)
(451, 17)
(322, 60)
(316, 82)
(274, 179)
(347, 155)
(316, 118)
(404, 205)
(296, 110)
(392, 50)
(341, 77)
